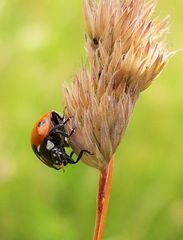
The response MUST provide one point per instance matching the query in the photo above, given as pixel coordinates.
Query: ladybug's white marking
(49, 145)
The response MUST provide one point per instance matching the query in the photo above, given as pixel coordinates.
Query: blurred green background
(41, 46)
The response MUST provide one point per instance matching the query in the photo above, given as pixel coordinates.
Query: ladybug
(49, 140)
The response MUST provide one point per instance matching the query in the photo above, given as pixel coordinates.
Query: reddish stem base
(103, 199)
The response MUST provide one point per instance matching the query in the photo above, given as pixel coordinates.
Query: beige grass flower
(126, 50)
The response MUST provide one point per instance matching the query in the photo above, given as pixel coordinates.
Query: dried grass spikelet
(126, 50)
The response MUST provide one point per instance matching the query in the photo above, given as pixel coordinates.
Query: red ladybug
(49, 140)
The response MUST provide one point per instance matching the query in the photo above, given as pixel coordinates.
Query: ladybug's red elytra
(49, 140)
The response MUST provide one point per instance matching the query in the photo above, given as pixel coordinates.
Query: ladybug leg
(71, 154)
(64, 134)
(67, 120)
(81, 154)
(73, 131)
(71, 161)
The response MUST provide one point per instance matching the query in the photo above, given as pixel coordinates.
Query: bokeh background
(41, 46)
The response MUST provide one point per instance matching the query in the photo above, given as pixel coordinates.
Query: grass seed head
(126, 51)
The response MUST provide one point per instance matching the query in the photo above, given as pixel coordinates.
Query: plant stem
(105, 181)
